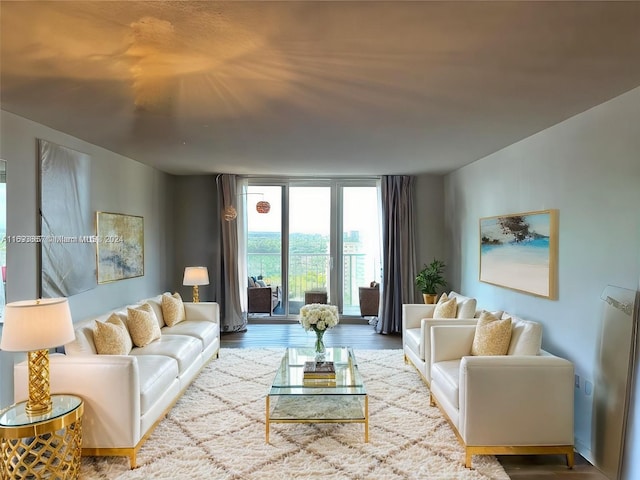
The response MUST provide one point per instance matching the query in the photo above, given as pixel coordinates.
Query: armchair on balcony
(369, 300)
(262, 298)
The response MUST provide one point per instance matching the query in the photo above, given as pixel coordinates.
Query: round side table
(42, 446)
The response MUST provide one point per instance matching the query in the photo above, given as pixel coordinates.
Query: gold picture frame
(120, 246)
(520, 251)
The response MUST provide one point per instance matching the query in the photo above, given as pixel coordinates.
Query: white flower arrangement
(318, 317)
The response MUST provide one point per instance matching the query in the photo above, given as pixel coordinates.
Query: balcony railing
(310, 271)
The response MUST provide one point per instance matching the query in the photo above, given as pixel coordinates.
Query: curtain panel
(398, 250)
(232, 316)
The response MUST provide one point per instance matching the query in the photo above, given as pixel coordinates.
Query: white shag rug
(217, 431)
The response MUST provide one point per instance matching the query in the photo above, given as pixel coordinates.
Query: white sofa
(519, 403)
(417, 320)
(126, 396)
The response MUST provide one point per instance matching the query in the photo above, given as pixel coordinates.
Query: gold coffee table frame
(42, 446)
(291, 400)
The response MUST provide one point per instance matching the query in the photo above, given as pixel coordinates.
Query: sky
(310, 209)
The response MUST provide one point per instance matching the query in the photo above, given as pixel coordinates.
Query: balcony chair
(369, 300)
(262, 298)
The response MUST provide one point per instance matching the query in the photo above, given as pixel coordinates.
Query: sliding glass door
(318, 243)
(310, 256)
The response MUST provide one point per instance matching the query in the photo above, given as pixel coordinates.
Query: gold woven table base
(54, 456)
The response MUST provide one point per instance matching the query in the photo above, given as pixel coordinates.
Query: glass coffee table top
(292, 399)
(289, 378)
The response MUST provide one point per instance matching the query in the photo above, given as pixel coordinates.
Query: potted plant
(429, 279)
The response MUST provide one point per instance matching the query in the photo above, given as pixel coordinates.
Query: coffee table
(291, 400)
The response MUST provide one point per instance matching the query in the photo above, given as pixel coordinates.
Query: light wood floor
(361, 335)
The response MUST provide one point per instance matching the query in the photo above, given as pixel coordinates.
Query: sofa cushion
(466, 306)
(446, 307)
(83, 344)
(157, 372)
(112, 337)
(183, 348)
(143, 325)
(492, 335)
(172, 309)
(156, 305)
(206, 332)
(446, 375)
(526, 337)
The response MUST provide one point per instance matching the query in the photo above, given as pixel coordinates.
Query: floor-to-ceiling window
(320, 239)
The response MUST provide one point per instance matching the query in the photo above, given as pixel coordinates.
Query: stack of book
(320, 374)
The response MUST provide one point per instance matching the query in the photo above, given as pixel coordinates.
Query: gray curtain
(232, 319)
(398, 251)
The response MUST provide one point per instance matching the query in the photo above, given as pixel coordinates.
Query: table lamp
(35, 326)
(194, 276)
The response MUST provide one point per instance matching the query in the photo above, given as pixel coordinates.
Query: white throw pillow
(526, 338)
(466, 305)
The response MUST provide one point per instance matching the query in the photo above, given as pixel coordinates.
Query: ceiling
(312, 87)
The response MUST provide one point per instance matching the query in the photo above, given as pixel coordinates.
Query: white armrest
(110, 388)
(516, 400)
(451, 342)
(413, 313)
(425, 344)
(202, 311)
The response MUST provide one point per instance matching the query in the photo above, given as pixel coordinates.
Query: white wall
(119, 185)
(196, 232)
(429, 210)
(588, 168)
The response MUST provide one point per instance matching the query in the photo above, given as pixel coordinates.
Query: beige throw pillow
(143, 325)
(111, 337)
(446, 307)
(492, 335)
(172, 309)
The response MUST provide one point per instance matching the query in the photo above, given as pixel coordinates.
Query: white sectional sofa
(126, 396)
(518, 403)
(417, 320)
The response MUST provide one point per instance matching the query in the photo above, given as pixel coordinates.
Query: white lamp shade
(196, 276)
(36, 325)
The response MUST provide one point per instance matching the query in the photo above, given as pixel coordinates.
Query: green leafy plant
(430, 277)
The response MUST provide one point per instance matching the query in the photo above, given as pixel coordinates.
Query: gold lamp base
(39, 402)
(196, 294)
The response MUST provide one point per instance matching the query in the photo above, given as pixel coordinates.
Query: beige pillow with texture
(492, 335)
(111, 337)
(446, 307)
(143, 325)
(172, 309)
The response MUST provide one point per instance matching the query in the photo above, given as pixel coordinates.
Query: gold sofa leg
(570, 459)
(467, 458)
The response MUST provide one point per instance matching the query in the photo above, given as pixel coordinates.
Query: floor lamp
(35, 326)
(195, 276)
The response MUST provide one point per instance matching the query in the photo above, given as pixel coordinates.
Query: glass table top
(16, 415)
(289, 378)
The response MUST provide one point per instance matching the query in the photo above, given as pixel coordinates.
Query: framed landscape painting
(120, 240)
(519, 251)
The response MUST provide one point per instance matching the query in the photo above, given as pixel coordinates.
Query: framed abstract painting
(520, 252)
(120, 252)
